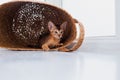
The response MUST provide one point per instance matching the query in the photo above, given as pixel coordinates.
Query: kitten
(53, 39)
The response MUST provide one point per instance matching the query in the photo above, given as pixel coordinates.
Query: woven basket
(23, 23)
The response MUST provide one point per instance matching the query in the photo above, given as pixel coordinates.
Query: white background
(98, 16)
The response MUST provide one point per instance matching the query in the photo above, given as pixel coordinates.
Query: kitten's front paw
(45, 48)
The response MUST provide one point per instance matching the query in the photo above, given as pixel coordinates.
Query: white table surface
(93, 61)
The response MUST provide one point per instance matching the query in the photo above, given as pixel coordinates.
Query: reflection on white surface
(99, 69)
(38, 65)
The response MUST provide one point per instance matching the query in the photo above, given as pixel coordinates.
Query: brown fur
(53, 39)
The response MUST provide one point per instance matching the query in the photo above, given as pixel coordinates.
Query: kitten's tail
(76, 45)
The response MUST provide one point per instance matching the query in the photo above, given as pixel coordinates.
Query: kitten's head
(58, 34)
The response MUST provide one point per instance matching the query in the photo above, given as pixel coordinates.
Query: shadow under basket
(24, 23)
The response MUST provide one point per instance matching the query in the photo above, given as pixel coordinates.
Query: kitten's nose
(60, 36)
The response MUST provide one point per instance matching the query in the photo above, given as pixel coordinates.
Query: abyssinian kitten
(53, 39)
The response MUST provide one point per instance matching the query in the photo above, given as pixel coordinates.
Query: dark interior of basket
(23, 24)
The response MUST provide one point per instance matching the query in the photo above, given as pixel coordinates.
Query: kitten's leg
(45, 47)
(64, 49)
(58, 45)
(61, 44)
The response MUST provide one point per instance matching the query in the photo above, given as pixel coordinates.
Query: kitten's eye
(61, 32)
(55, 31)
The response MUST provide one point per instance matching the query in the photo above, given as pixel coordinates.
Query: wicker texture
(23, 24)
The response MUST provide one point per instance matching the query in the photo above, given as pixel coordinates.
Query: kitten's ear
(51, 26)
(63, 25)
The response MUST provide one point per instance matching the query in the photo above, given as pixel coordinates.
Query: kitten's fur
(53, 40)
